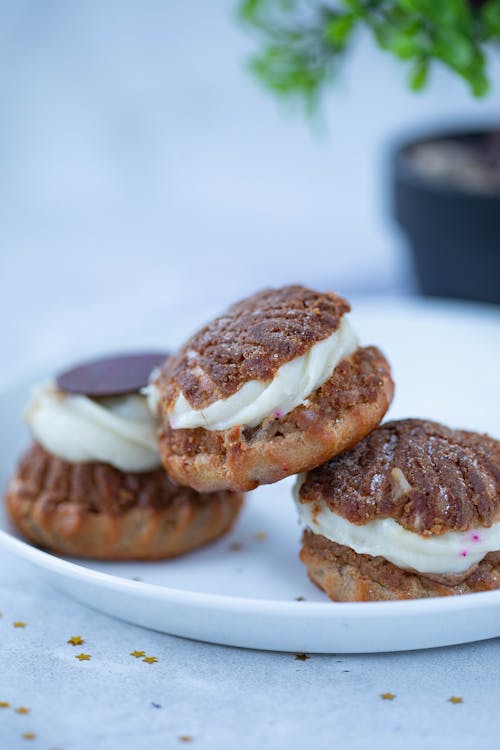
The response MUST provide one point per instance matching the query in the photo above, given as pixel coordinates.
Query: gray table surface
(222, 697)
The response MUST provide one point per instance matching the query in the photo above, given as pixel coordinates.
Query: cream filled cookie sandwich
(412, 511)
(275, 386)
(92, 484)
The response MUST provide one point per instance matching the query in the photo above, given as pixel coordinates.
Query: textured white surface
(224, 697)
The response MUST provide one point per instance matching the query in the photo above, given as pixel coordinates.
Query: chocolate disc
(111, 376)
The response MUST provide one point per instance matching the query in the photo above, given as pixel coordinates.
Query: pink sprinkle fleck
(475, 538)
(463, 553)
(286, 468)
(278, 413)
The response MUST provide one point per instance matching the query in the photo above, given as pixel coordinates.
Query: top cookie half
(249, 371)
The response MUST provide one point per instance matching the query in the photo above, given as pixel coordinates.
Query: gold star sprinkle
(75, 640)
(387, 696)
(4, 704)
(150, 659)
(83, 657)
(261, 536)
(185, 738)
(137, 654)
(19, 624)
(455, 699)
(301, 657)
(22, 710)
(29, 736)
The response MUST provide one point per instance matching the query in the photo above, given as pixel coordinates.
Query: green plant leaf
(304, 41)
(419, 74)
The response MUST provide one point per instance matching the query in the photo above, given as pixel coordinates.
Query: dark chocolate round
(111, 376)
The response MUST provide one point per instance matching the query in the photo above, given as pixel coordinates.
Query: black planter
(454, 232)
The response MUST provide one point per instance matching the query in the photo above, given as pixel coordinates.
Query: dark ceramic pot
(453, 228)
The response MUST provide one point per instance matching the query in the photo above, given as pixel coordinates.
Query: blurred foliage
(304, 41)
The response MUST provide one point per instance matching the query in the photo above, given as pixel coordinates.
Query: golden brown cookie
(251, 343)
(349, 577)
(94, 510)
(422, 498)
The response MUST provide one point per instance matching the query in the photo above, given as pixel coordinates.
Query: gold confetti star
(455, 699)
(4, 704)
(83, 657)
(150, 659)
(387, 696)
(22, 710)
(261, 536)
(301, 657)
(137, 654)
(185, 738)
(75, 640)
(19, 624)
(29, 736)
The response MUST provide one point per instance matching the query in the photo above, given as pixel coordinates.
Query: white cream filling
(452, 552)
(119, 430)
(291, 386)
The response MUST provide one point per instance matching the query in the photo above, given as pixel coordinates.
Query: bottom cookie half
(96, 511)
(348, 577)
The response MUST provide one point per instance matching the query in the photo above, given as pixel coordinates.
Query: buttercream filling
(118, 430)
(448, 553)
(255, 400)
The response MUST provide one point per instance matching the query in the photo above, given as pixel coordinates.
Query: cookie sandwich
(275, 386)
(412, 511)
(92, 484)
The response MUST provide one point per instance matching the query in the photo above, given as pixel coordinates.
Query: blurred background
(143, 167)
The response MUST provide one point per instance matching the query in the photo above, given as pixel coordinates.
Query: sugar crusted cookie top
(251, 341)
(429, 478)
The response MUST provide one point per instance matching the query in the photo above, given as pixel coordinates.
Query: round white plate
(243, 590)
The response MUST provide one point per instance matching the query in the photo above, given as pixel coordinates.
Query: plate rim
(226, 602)
(326, 609)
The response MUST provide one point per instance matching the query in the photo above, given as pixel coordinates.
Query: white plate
(446, 363)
